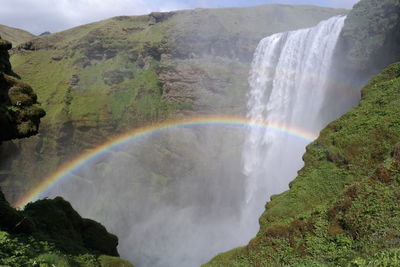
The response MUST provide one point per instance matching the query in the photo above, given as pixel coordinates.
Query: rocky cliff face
(371, 36)
(20, 113)
(45, 232)
(104, 78)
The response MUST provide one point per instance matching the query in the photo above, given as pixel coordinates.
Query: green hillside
(51, 233)
(104, 78)
(343, 208)
(46, 232)
(14, 35)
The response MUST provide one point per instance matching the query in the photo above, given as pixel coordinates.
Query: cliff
(371, 36)
(47, 231)
(342, 209)
(104, 78)
(20, 113)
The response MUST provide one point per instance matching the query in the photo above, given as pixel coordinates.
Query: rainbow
(132, 135)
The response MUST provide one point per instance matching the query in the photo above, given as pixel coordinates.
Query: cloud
(38, 16)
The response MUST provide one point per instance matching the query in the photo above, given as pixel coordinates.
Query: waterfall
(175, 196)
(288, 84)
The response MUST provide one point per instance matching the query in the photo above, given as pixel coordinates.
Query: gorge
(153, 130)
(201, 211)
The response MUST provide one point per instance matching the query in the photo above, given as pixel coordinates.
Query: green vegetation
(47, 232)
(19, 111)
(21, 251)
(15, 36)
(107, 77)
(50, 232)
(343, 208)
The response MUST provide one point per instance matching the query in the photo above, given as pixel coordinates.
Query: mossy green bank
(343, 208)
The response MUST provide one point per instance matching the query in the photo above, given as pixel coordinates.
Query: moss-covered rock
(61, 223)
(12, 220)
(20, 113)
(52, 232)
(47, 232)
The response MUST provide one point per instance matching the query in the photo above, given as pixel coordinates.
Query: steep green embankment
(46, 232)
(344, 205)
(343, 208)
(107, 77)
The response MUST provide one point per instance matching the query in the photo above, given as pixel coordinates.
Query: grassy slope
(97, 100)
(22, 250)
(344, 205)
(93, 99)
(14, 35)
(83, 114)
(47, 231)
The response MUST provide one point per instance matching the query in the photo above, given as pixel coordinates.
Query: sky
(37, 16)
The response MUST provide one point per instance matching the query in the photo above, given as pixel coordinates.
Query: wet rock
(157, 17)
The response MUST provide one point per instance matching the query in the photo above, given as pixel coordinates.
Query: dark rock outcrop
(53, 221)
(371, 36)
(20, 112)
(13, 221)
(59, 221)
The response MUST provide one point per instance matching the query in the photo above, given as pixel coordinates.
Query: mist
(174, 198)
(178, 197)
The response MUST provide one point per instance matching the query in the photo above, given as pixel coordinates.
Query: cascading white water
(288, 84)
(174, 197)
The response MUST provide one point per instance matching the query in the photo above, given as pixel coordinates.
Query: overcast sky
(38, 16)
